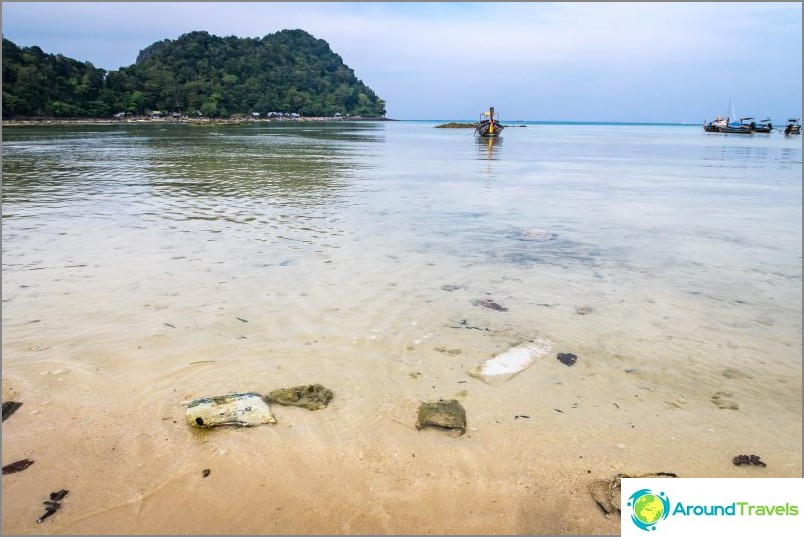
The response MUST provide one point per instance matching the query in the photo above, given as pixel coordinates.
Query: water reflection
(303, 164)
(297, 163)
(487, 147)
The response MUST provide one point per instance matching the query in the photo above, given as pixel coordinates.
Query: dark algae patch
(53, 504)
(17, 466)
(739, 460)
(9, 407)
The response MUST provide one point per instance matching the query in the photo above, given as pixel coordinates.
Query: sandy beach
(132, 464)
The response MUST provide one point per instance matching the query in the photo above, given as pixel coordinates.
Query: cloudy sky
(646, 62)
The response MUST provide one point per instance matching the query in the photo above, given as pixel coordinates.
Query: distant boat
(793, 127)
(765, 126)
(714, 126)
(745, 126)
(725, 125)
(489, 125)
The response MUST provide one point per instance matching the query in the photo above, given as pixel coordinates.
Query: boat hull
(736, 130)
(485, 130)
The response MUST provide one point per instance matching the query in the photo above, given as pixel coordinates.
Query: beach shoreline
(143, 120)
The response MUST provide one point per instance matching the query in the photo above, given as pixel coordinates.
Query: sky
(674, 62)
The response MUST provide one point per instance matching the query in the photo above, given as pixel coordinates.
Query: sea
(148, 264)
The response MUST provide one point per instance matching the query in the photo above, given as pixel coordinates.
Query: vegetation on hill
(288, 71)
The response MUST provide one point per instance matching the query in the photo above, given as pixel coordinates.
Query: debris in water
(241, 409)
(451, 287)
(490, 304)
(509, 363)
(583, 310)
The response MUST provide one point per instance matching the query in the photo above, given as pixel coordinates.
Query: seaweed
(9, 407)
(17, 466)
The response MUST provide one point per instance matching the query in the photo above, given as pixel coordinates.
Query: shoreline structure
(171, 120)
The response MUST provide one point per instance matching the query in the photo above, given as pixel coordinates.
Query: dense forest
(197, 74)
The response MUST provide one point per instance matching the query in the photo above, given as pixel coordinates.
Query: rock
(606, 492)
(310, 396)
(568, 359)
(509, 363)
(9, 407)
(448, 414)
(455, 125)
(241, 409)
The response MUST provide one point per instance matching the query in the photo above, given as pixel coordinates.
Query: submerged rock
(240, 409)
(310, 396)
(567, 358)
(724, 401)
(448, 414)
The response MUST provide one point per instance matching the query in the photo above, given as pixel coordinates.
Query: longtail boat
(489, 125)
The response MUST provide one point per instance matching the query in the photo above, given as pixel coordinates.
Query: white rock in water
(506, 365)
(241, 409)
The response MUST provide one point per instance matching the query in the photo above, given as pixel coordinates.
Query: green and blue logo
(648, 508)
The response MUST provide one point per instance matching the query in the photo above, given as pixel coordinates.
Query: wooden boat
(714, 126)
(793, 127)
(743, 127)
(489, 125)
(764, 127)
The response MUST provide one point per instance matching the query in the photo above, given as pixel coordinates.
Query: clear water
(670, 234)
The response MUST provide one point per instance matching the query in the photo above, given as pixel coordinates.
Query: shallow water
(147, 265)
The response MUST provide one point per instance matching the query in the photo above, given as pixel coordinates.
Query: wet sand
(115, 436)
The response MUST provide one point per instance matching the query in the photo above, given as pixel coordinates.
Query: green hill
(288, 71)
